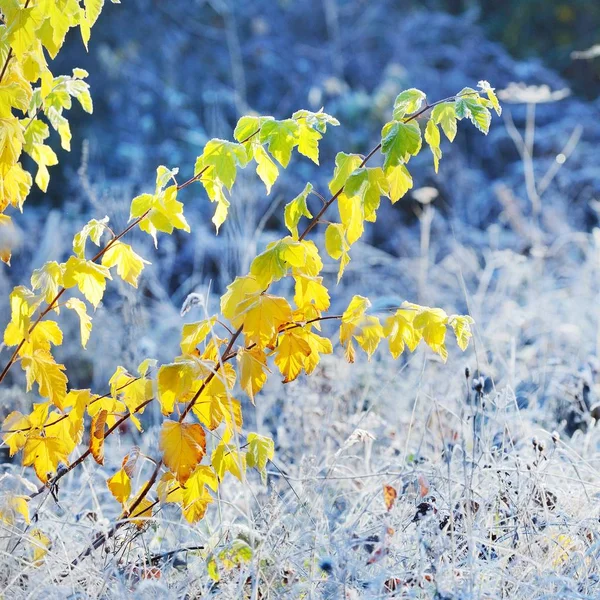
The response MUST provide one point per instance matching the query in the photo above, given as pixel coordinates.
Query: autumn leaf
(290, 354)
(85, 321)
(89, 277)
(228, 459)
(194, 334)
(44, 453)
(92, 230)
(41, 368)
(195, 498)
(252, 365)
(120, 486)
(40, 544)
(389, 496)
(183, 445)
(129, 264)
(97, 436)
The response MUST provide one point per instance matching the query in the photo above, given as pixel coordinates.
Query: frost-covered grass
(496, 472)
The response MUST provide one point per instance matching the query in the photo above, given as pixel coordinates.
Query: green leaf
(286, 253)
(369, 184)
(400, 141)
(281, 137)
(249, 127)
(318, 120)
(260, 450)
(471, 106)
(221, 158)
(296, 209)
(445, 115)
(408, 102)
(247, 132)
(432, 137)
(345, 165)
(218, 165)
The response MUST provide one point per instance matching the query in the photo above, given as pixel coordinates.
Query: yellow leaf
(168, 489)
(8, 234)
(41, 368)
(215, 404)
(282, 137)
(311, 291)
(318, 345)
(44, 334)
(218, 165)
(67, 427)
(92, 230)
(97, 435)
(462, 329)
(345, 165)
(85, 321)
(15, 183)
(44, 453)
(352, 319)
(193, 334)
(14, 505)
(15, 429)
(355, 312)
(183, 445)
(129, 264)
(337, 246)
(297, 209)
(253, 370)
(22, 305)
(120, 486)
(175, 381)
(48, 279)
(399, 331)
(238, 291)
(22, 24)
(134, 391)
(262, 317)
(142, 513)
(228, 459)
(163, 212)
(195, 497)
(114, 410)
(280, 256)
(265, 168)
(399, 180)
(89, 277)
(369, 334)
(431, 322)
(290, 354)
(40, 544)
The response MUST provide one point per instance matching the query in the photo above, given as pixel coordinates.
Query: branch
(228, 353)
